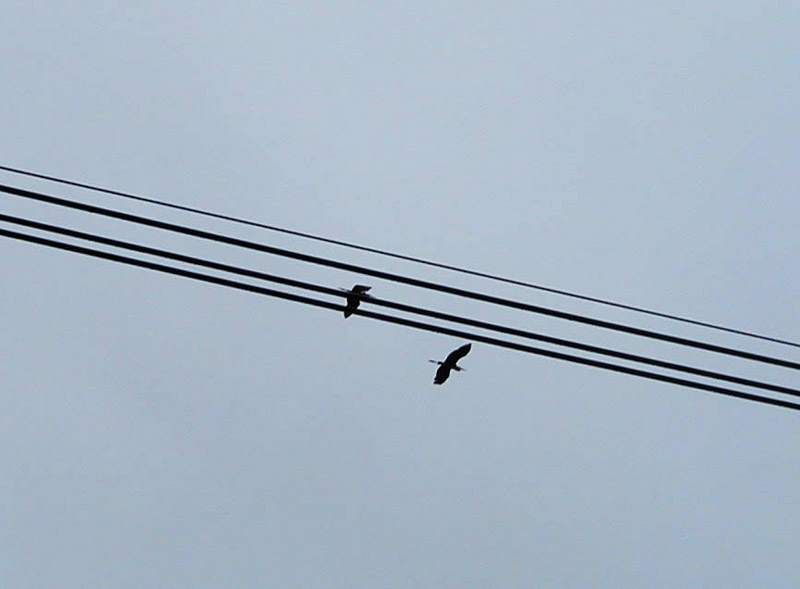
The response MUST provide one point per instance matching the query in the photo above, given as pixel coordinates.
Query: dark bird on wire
(450, 363)
(354, 298)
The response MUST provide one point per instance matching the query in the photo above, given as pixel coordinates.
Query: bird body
(354, 297)
(450, 363)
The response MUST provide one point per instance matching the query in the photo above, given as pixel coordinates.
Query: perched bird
(450, 363)
(354, 297)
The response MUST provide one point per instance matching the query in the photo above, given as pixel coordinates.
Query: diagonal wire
(397, 256)
(394, 305)
(396, 277)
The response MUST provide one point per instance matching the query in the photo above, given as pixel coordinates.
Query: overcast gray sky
(156, 432)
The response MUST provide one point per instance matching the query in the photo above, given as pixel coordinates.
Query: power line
(394, 305)
(397, 256)
(396, 277)
(402, 321)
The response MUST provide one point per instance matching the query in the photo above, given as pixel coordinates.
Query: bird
(450, 363)
(354, 297)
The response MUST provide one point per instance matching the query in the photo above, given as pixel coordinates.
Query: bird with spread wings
(450, 363)
(354, 297)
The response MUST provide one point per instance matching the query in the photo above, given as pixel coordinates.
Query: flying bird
(354, 297)
(450, 363)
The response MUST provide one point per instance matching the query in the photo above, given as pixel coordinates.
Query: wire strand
(397, 256)
(402, 321)
(397, 277)
(142, 249)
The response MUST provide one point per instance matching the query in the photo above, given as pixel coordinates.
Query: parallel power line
(142, 249)
(397, 256)
(401, 321)
(29, 194)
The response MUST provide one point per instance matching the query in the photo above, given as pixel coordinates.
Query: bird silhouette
(450, 363)
(354, 298)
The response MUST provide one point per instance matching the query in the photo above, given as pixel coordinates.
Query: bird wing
(441, 374)
(350, 308)
(456, 355)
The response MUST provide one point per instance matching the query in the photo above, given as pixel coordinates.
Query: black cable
(396, 277)
(393, 305)
(399, 256)
(401, 321)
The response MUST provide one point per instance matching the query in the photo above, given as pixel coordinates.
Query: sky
(160, 432)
